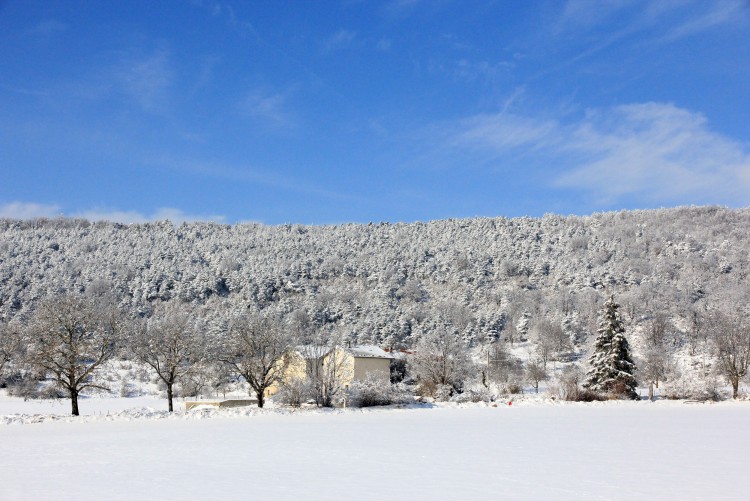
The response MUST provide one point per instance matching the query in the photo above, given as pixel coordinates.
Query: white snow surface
(535, 449)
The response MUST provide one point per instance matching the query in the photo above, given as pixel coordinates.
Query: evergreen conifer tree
(612, 368)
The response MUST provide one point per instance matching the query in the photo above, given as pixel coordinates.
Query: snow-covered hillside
(534, 286)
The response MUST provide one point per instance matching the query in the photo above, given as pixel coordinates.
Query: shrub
(569, 387)
(443, 392)
(707, 390)
(294, 392)
(513, 388)
(586, 395)
(374, 390)
(399, 373)
(473, 395)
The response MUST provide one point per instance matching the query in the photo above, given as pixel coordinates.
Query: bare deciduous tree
(536, 373)
(255, 348)
(656, 330)
(328, 370)
(655, 367)
(440, 361)
(551, 341)
(169, 343)
(68, 339)
(10, 345)
(502, 366)
(732, 342)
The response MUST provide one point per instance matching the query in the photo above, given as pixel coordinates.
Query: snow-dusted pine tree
(612, 368)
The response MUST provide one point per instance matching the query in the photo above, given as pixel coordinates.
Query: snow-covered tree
(10, 345)
(68, 340)
(171, 345)
(731, 336)
(612, 368)
(535, 373)
(441, 362)
(254, 348)
(329, 370)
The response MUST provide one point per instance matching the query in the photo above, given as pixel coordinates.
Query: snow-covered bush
(373, 390)
(443, 392)
(399, 371)
(294, 392)
(568, 387)
(707, 389)
(128, 390)
(479, 394)
(29, 388)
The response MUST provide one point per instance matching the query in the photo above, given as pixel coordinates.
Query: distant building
(351, 363)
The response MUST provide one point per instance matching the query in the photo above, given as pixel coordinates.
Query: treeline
(67, 341)
(488, 281)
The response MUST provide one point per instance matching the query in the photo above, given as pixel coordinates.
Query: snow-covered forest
(530, 284)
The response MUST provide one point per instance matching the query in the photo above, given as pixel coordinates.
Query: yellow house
(346, 364)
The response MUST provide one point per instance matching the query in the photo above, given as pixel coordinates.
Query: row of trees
(442, 365)
(68, 339)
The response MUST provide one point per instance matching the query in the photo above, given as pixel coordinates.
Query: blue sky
(357, 111)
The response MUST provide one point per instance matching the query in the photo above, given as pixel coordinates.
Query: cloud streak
(268, 107)
(717, 14)
(654, 152)
(176, 216)
(342, 39)
(146, 79)
(29, 210)
(245, 174)
(32, 210)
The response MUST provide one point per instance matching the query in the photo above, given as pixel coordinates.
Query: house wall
(342, 363)
(295, 367)
(381, 367)
(348, 368)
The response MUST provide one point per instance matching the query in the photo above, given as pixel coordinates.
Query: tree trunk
(74, 402)
(651, 391)
(169, 396)
(735, 386)
(261, 398)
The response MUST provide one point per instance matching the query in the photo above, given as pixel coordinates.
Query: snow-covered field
(531, 450)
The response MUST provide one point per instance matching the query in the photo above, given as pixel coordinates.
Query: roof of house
(367, 351)
(358, 351)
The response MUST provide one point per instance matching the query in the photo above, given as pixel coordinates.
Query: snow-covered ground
(531, 450)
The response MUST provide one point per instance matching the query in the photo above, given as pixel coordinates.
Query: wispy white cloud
(28, 210)
(268, 107)
(659, 152)
(384, 44)
(226, 12)
(716, 14)
(665, 21)
(249, 174)
(342, 39)
(584, 14)
(400, 8)
(146, 79)
(505, 131)
(471, 70)
(31, 210)
(654, 152)
(176, 216)
(48, 28)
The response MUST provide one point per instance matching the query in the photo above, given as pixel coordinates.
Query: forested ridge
(382, 283)
(500, 299)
